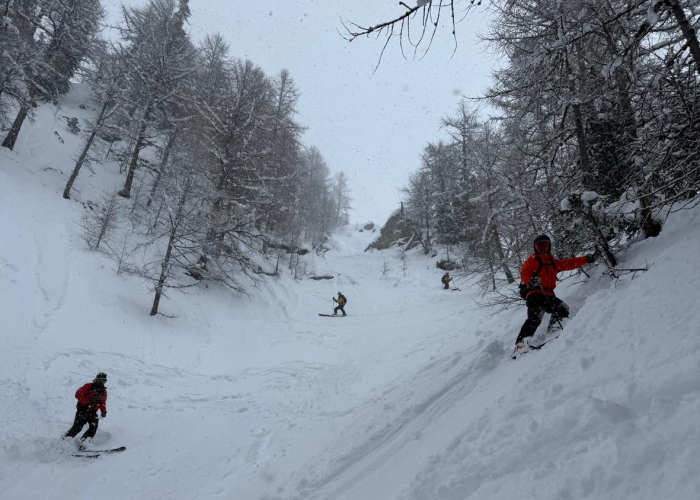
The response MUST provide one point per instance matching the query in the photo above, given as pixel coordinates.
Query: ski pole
(552, 308)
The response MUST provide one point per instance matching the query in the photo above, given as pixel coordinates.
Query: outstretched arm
(570, 264)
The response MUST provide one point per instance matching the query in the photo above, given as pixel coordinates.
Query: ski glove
(104, 414)
(590, 258)
(535, 282)
(523, 290)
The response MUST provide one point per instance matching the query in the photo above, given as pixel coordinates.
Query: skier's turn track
(413, 423)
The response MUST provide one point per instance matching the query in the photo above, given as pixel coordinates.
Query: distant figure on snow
(538, 278)
(91, 398)
(446, 281)
(341, 301)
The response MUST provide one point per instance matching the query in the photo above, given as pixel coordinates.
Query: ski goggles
(542, 246)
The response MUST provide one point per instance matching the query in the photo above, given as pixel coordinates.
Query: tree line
(593, 138)
(216, 178)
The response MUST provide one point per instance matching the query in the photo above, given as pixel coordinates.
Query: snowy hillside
(412, 396)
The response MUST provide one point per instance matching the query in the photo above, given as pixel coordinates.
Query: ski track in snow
(413, 396)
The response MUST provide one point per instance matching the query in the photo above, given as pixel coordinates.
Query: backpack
(524, 290)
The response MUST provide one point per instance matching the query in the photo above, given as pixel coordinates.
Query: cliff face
(396, 232)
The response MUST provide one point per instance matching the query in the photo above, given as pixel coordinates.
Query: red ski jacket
(546, 267)
(87, 395)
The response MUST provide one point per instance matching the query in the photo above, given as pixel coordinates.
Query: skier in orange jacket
(538, 279)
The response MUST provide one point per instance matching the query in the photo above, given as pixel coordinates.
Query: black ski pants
(84, 415)
(447, 285)
(537, 305)
(342, 309)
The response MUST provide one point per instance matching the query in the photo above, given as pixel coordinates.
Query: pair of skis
(332, 315)
(96, 453)
(516, 355)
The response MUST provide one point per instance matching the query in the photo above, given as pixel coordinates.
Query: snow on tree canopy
(588, 196)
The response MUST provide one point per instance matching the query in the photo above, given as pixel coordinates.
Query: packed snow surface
(412, 396)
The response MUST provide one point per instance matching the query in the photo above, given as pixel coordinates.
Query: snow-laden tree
(47, 40)
(191, 242)
(106, 79)
(160, 62)
(342, 199)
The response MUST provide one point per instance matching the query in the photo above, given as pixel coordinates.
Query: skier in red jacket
(538, 278)
(91, 398)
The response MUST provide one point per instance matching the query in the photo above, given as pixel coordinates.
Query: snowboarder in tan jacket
(341, 301)
(446, 281)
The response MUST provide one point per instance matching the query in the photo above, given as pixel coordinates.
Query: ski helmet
(339, 294)
(542, 244)
(101, 377)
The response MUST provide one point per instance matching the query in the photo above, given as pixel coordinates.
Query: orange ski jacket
(546, 267)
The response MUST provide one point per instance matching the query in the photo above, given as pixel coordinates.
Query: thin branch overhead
(426, 13)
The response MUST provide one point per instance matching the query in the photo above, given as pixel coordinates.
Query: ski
(332, 315)
(534, 347)
(113, 450)
(96, 453)
(544, 343)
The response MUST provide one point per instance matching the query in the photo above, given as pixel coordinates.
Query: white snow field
(412, 396)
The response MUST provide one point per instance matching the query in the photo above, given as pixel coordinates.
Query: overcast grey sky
(371, 125)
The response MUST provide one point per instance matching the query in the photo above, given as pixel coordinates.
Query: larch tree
(54, 36)
(160, 63)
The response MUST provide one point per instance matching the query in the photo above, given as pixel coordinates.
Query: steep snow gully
(412, 396)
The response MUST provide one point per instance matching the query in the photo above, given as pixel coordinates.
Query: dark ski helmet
(339, 294)
(101, 377)
(542, 244)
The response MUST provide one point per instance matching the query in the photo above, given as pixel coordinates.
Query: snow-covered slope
(412, 396)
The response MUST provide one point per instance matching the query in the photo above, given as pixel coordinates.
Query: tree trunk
(651, 227)
(492, 270)
(165, 269)
(86, 150)
(602, 240)
(501, 255)
(583, 147)
(427, 233)
(163, 164)
(12, 135)
(576, 96)
(687, 30)
(157, 217)
(126, 190)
